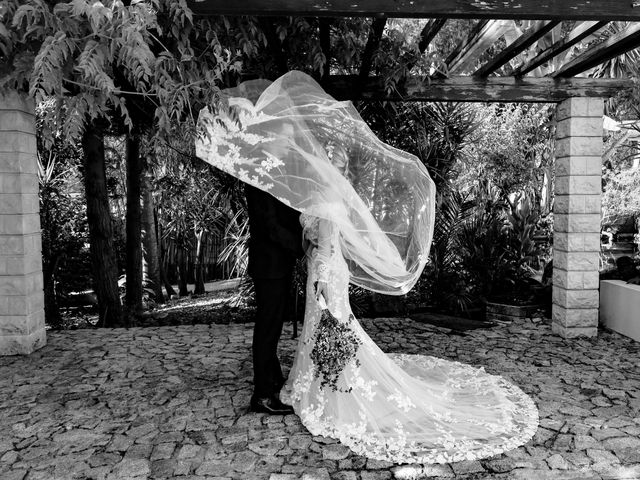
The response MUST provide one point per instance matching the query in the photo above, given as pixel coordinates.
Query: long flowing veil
(282, 137)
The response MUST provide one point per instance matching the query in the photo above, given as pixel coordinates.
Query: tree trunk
(50, 258)
(182, 273)
(103, 256)
(197, 264)
(151, 256)
(133, 297)
(163, 258)
(51, 308)
(165, 280)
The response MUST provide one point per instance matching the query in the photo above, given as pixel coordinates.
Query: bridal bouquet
(335, 345)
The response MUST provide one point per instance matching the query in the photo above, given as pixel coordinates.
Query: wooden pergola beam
(375, 34)
(617, 44)
(523, 42)
(475, 89)
(576, 35)
(610, 10)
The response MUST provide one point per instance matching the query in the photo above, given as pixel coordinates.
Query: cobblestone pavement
(171, 402)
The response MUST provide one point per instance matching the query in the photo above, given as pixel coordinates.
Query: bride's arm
(325, 232)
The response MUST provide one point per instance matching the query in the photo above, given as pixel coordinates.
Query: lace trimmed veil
(316, 154)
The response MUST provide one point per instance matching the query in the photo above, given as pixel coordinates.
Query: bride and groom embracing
(320, 182)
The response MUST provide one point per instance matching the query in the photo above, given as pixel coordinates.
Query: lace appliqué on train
(395, 407)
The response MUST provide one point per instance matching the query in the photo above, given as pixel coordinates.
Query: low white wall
(620, 307)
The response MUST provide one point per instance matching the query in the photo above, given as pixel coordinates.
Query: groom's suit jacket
(275, 235)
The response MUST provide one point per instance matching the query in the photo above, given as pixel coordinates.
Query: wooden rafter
(576, 35)
(486, 9)
(477, 43)
(429, 32)
(474, 89)
(523, 42)
(617, 44)
(464, 48)
(375, 34)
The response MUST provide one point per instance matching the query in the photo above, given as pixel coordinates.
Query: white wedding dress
(399, 408)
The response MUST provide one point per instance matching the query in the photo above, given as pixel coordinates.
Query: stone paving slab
(171, 402)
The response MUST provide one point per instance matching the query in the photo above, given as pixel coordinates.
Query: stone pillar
(22, 327)
(577, 211)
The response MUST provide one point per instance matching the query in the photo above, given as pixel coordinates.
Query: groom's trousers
(272, 298)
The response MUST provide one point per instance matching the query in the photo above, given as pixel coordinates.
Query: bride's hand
(322, 290)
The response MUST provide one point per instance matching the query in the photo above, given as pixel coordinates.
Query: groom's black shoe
(271, 405)
(278, 384)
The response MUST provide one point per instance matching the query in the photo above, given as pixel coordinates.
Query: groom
(274, 245)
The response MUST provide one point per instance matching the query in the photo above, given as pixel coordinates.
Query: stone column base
(22, 344)
(572, 332)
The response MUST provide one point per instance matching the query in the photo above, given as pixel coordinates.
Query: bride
(367, 214)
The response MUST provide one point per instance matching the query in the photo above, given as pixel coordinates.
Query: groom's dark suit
(275, 243)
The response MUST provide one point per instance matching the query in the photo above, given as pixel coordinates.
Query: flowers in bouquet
(335, 345)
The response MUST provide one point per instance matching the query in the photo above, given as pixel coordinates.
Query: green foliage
(65, 252)
(621, 185)
(436, 133)
(483, 248)
(152, 65)
(301, 40)
(145, 59)
(484, 256)
(512, 148)
(63, 222)
(236, 252)
(621, 164)
(439, 134)
(624, 65)
(445, 284)
(523, 219)
(498, 246)
(152, 62)
(195, 202)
